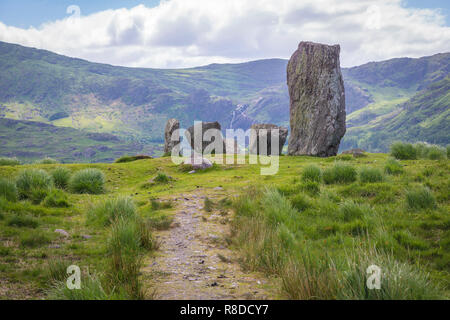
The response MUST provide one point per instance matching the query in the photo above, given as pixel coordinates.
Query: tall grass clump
(91, 289)
(106, 211)
(34, 184)
(370, 175)
(312, 173)
(22, 221)
(398, 281)
(125, 256)
(56, 199)
(8, 190)
(403, 151)
(61, 177)
(9, 162)
(47, 160)
(340, 173)
(430, 151)
(161, 177)
(90, 181)
(393, 167)
(420, 198)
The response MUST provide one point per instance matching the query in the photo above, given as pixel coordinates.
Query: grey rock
(169, 143)
(198, 163)
(265, 132)
(194, 133)
(317, 100)
(62, 232)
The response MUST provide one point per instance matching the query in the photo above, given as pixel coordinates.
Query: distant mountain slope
(424, 117)
(30, 140)
(134, 103)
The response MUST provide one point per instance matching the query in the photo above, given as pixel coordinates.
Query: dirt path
(193, 261)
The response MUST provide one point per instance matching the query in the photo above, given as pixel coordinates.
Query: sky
(187, 33)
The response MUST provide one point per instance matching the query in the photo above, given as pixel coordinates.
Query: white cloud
(185, 33)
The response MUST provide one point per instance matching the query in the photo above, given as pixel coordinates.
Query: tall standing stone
(169, 141)
(317, 100)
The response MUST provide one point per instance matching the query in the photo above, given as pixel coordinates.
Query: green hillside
(29, 141)
(134, 103)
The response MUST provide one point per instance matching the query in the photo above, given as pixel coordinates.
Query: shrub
(8, 190)
(403, 151)
(105, 212)
(33, 184)
(339, 173)
(312, 173)
(9, 162)
(61, 177)
(22, 221)
(370, 175)
(47, 161)
(448, 152)
(420, 198)
(393, 167)
(34, 239)
(87, 181)
(436, 153)
(131, 158)
(56, 199)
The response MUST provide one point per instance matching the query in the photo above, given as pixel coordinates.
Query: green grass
(47, 161)
(9, 161)
(269, 233)
(56, 199)
(22, 221)
(312, 173)
(90, 181)
(370, 175)
(61, 177)
(106, 211)
(340, 173)
(8, 190)
(420, 198)
(33, 184)
(393, 167)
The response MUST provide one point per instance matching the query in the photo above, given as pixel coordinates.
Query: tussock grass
(106, 211)
(47, 161)
(22, 221)
(34, 239)
(312, 173)
(8, 190)
(340, 173)
(56, 199)
(420, 198)
(57, 270)
(34, 184)
(9, 162)
(393, 167)
(403, 151)
(208, 205)
(87, 181)
(158, 205)
(61, 177)
(371, 175)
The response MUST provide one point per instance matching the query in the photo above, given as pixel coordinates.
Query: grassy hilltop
(315, 226)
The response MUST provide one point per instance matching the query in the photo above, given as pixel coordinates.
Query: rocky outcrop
(169, 143)
(356, 152)
(317, 100)
(198, 134)
(265, 132)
